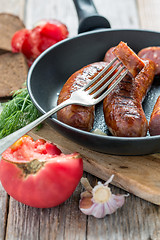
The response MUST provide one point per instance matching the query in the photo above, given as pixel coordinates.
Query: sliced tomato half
(33, 42)
(37, 174)
(18, 39)
(55, 30)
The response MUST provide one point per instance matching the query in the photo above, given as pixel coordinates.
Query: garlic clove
(99, 201)
(101, 193)
(86, 203)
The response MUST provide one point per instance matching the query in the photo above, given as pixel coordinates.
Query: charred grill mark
(79, 85)
(125, 90)
(126, 82)
(126, 97)
(122, 104)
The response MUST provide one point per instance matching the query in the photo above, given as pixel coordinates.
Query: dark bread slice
(13, 73)
(9, 24)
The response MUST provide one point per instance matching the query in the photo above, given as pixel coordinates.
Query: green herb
(17, 113)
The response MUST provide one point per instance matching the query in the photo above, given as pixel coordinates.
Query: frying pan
(53, 67)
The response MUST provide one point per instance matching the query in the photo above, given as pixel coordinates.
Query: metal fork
(86, 96)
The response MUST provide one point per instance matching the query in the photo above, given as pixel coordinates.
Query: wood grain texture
(120, 13)
(149, 14)
(13, 6)
(132, 221)
(4, 199)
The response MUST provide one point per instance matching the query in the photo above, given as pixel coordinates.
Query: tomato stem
(31, 167)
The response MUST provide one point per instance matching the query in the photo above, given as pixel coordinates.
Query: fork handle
(13, 137)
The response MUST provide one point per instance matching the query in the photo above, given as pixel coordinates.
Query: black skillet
(52, 68)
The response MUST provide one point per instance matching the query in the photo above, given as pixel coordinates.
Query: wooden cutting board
(139, 175)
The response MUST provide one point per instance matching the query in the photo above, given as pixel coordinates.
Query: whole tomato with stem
(37, 174)
(33, 42)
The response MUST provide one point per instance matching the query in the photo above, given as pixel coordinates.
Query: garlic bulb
(99, 201)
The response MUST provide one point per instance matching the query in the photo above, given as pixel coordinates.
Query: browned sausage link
(145, 79)
(123, 111)
(74, 115)
(123, 114)
(154, 123)
(152, 53)
(128, 58)
(141, 84)
(109, 56)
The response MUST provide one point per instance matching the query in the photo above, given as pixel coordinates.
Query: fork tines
(111, 74)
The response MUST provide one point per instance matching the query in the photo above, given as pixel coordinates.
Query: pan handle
(89, 19)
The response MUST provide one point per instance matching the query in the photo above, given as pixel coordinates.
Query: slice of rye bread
(9, 24)
(13, 73)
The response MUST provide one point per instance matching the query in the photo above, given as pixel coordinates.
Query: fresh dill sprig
(17, 113)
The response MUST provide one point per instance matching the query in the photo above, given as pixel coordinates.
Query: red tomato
(54, 29)
(18, 39)
(33, 42)
(37, 174)
(45, 43)
(30, 45)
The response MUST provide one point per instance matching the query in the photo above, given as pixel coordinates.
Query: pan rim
(83, 35)
(73, 129)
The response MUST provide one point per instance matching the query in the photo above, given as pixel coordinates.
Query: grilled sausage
(154, 123)
(152, 53)
(122, 108)
(74, 115)
(129, 59)
(125, 55)
(109, 56)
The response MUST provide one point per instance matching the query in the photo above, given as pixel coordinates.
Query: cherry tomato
(33, 42)
(37, 174)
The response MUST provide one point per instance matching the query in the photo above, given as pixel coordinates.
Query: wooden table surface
(137, 219)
